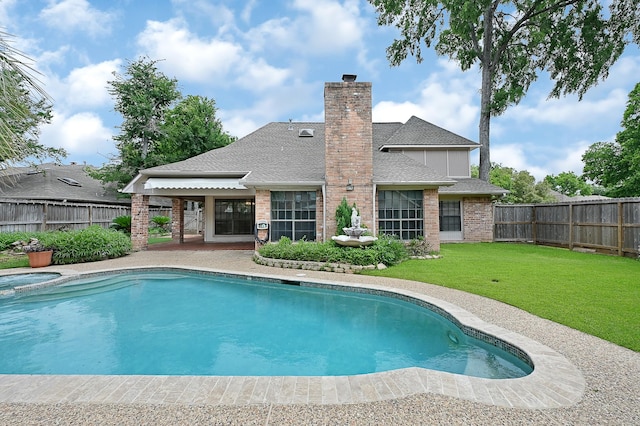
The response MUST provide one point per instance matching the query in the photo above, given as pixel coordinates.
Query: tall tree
(568, 183)
(24, 107)
(522, 185)
(616, 165)
(190, 128)
(142, 95)
(575, 41)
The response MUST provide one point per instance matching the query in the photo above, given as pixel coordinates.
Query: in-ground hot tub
(8, 282)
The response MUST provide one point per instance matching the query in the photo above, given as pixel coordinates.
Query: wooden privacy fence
(33, 216)
(611, 225)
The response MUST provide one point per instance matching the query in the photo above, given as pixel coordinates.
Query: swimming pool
(179, 323)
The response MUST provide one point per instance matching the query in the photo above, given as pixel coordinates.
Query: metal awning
(193, 183)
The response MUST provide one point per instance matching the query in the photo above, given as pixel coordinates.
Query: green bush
(89, 245)
(161, 222)
(122, 223)
(78, 246)
(419, 247)
(343, 216)
(386, 250)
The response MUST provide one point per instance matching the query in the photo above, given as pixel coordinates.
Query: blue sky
(266, 61)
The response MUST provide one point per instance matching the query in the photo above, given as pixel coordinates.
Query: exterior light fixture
(349, 185)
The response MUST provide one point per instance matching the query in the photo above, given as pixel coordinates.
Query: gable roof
(417, 132)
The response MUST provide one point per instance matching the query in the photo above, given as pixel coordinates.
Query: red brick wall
(477, 217)
(140, 221)
(177, 219)
(431, 205)
(348, 149)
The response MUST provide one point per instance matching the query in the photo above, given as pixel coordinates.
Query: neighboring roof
(417, 132)
(47, 182)
(472, 186)
(562, 198)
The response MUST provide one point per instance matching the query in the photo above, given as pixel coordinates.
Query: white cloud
(257, 75)
(82, 134)
(568, 112)
(87, 86)
(5, 9)
(445, 99)
(211, 61)
(332, 25)
(551, 161)
(187, 56)
(72, 15)
(316, 28)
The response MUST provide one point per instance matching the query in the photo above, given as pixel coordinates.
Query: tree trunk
(486, 94)
(484, 126)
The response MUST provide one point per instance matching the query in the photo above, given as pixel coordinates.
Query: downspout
(374, 225)
(324, 212)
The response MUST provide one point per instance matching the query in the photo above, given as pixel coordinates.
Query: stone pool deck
(597, 382)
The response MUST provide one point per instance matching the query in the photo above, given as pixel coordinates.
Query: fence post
(534, 235)
(620, 233)
(570, 226)
(44, 217)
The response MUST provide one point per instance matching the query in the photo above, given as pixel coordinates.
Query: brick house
(409, 179)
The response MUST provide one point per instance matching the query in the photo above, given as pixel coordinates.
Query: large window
(400, 213)
(234, 217)
(293, 215)
(450, 218)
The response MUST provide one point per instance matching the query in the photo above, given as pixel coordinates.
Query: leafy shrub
(89, 245)
(86, 245)
(387, 250)
(343, 216)
(419, 247)
(122, 223)
(161, 222)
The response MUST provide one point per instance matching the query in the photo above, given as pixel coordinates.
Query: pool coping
(555, 382)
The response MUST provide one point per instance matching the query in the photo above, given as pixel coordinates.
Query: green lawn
(597, 294)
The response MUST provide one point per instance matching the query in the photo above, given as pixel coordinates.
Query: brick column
(140, 222)
(348, 150)
(431, 206)
(177, 220)
(263, 211)
(477, 218)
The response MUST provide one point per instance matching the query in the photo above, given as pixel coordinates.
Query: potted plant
(39, 254)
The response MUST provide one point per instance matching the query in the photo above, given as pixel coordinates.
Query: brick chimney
(348, 149)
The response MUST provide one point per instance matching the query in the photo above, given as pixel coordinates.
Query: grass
(8, 261)
(596, 294)
(159, 239)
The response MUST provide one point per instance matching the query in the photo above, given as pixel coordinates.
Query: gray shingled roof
(275, 154)
(472, 186)
(418, 132)
(45, 185)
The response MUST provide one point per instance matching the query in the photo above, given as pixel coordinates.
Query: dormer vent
(305, 133)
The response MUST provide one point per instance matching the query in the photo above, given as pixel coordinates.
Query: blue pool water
(176, 323)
